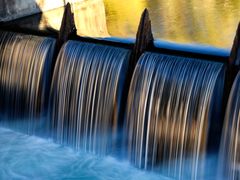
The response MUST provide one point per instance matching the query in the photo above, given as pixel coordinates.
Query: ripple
(29, 157)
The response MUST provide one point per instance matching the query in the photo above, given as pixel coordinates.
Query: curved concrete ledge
(191, 48)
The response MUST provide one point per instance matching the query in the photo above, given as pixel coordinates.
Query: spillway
(86, 95)
(25, 63)
(172, 113)
(171, 103)
(229, 153)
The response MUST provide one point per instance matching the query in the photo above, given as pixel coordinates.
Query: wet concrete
(13, 9)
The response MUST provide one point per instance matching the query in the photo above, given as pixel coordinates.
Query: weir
(86, 94)
(25, 65)
(171, 103)
(229, 152)
(162, 108)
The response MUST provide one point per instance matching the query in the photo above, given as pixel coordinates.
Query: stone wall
(13, 9)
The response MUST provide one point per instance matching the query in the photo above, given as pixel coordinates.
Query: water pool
(29, 157)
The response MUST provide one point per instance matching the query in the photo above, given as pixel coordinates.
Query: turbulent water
(25, 157)
(169, 111)
(229, 154)
(172, 105)
(25, 63)
(86, 94)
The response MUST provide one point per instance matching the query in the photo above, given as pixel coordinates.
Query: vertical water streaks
(86, 94)
(229, 165)
(169, 109)
(25, 62)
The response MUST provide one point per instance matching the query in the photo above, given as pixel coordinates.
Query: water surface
(208, 22)
(211, 22)
(29, 157)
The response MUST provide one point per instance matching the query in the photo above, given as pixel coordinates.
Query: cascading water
(229, 165)
(25, 63)
(170, 105)
(85, 95)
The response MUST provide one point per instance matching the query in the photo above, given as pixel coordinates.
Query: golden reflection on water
(211, 22)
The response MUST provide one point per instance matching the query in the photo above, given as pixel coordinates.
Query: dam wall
(14, 9)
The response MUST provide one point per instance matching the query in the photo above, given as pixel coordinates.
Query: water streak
(25, 63)
(86, 94)
(229, 165)
(170, 105)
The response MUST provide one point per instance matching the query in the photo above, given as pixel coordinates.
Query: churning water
(169, 110)
(172, 105)
(24, 157)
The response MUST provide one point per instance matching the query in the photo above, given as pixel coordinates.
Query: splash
(29, 157)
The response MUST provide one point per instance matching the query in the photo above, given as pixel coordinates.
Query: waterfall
(169, 111)
(172, 104)
(229, 165)
(85, 95)
(25, 62)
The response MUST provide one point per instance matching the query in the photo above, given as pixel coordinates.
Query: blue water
(29, 157)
